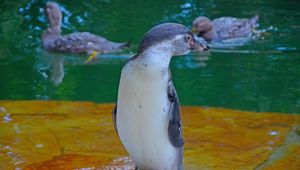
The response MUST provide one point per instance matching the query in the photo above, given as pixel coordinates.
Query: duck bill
(194, 30)
(199, 44)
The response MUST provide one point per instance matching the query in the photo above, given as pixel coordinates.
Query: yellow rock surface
(41, 135)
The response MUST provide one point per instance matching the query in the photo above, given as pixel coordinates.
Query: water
(262, 75)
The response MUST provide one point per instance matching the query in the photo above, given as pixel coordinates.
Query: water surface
(262, 75)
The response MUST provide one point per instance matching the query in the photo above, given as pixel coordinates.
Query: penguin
(147, 114)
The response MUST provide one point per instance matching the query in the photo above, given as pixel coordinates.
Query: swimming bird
(224, 27)
(147, 115)
(77, 42)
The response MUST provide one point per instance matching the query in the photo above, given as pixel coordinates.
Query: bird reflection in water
(57, 70)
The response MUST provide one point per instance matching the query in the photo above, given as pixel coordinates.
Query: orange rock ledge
(42, 135)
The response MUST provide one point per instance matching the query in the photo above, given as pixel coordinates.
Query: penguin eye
(188, 37)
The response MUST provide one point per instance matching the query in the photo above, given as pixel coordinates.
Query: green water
(262, 75)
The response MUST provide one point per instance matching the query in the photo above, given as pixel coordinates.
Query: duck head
(203, 28)
(54, 15)
(172, 39)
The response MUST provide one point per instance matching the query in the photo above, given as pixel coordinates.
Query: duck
(224, 28)
(147, 114)
(77, 42)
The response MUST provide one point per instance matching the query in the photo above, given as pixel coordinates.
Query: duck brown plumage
(77, 42)
(224, 27)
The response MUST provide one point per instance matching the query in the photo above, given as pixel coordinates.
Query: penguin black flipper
(114, 118)
(174, 128)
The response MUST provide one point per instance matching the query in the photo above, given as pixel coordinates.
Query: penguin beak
(199, 44)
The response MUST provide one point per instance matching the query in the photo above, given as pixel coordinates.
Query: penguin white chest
(143, 115)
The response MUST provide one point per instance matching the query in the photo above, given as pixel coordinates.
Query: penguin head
(172, 37)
